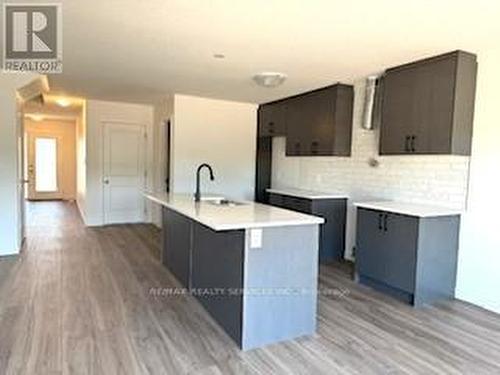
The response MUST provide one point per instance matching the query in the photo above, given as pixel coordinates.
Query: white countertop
(248, 215)
(308, 194)
(410, 209)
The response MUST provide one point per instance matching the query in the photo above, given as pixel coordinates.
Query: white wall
(163, 110)
(221, 133)
(10, 137)
(81, 162)
(97, 113)
(429, 179)
(479, 255)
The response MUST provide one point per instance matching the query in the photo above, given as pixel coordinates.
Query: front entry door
(44, 162)
(124, 173)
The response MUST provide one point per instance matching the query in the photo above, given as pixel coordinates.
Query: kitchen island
(253, 267)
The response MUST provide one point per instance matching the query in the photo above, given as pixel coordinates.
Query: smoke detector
(269, 79)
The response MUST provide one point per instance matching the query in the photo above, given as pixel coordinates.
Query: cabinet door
(177, 245)
(386, 248)
(264, 116)
(398, 111)
(432, 132)
(400, 251)
(298, 118)
(342, 137)
(370, 249)
(332, 232)
(310, 123)
(271, 119)
(322, 106)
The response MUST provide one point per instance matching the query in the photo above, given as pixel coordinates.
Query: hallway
(77, 301)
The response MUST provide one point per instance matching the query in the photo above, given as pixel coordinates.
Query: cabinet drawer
(297, 204)
(276, 200)
(290, 203)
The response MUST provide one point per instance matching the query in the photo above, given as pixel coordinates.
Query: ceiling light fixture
(269, 79)
(63, 102)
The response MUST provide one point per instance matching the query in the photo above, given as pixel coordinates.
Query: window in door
(46, 165)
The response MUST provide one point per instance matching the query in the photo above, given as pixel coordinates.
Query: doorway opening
(50, 159)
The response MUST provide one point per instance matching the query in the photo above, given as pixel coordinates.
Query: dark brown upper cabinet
(271, 119)
(428, 106)
(319, 123)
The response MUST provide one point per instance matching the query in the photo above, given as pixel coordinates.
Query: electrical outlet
(255, 238)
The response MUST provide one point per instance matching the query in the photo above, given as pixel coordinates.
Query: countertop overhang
(245, 216)
(409, 209)
(307, 194)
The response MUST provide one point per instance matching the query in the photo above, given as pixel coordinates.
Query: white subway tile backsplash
(432, 179)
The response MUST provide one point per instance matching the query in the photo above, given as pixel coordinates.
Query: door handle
(380, 218)
(412, 144)
(385, 222)
(314, 147)
(106, 181)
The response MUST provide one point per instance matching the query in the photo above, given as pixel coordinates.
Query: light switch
(255, 238)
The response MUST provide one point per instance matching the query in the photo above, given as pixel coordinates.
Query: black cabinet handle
(413, 138)
(314, 147)
(271, 127)
(380, 217)
(407, 143)
(385, 222)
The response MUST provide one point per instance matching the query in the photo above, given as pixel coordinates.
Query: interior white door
(124, 173)
(21, 175)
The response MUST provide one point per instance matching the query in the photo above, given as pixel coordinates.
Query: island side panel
(437, 258)
(217, 267)
(287, 260)
(176, 245)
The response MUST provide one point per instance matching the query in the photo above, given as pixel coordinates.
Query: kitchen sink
(211, 198)
(225, 203)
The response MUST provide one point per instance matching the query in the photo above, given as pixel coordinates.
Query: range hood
(372, 104)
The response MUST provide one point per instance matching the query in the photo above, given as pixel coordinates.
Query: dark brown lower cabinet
(411, 258)
(332, 232)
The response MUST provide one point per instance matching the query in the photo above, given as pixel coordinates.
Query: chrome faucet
(197, 194)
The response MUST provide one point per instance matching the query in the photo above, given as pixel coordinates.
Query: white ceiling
(136, 50)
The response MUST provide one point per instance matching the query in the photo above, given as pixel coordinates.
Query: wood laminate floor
(78, 301)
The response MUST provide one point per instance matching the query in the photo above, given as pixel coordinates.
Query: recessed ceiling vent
(269, 79)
